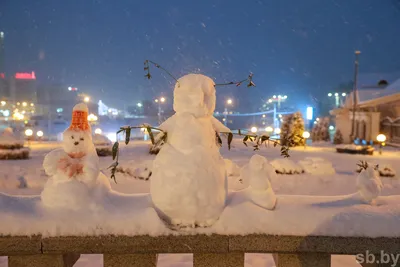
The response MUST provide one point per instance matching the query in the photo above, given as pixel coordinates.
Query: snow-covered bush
(338, 138)
(292, 130)
(103, 145)
(317, 166)
(12, 147)
(286, 166)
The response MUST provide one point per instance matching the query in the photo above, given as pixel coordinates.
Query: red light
(25, 75)
(2, 75)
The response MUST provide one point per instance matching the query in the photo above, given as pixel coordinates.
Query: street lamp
(343, 94)
(92, 118)
(162, 99)
(28, 132)
(277, 130)
(228, 102)
(3, 103)
(381, 138)
(98, 131)
(139, 105)
(24, 104)
(86, 99)
(330, 94)
(269, 129)
(39, 134)
(305, 136)
(253, 129)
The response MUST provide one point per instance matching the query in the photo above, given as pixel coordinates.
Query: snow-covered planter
(103, 145)
(140, 171)
(354, 149)
(317, 166)
(286, 166)
(11, 147)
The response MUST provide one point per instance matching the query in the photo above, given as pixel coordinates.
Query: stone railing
(208, 251)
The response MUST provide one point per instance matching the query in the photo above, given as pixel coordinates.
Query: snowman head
(195, 94)
(77, 139)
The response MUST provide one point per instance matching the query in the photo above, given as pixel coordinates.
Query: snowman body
(369, 184)
(75, 179)
(188, 183)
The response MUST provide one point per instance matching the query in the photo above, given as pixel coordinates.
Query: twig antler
(249, 79)
(147, 68)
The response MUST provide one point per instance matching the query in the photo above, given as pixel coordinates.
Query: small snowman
(75, 178)
(260, 175)
(369, 183)
(188, 185)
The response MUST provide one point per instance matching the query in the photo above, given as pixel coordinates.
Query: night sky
(299, 48)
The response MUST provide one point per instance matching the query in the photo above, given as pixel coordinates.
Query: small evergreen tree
(338, 138)
(292, 130)
(320, 132)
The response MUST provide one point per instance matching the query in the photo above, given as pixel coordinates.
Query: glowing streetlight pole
(160, 111)
(228, 102)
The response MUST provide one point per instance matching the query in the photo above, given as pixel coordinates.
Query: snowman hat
(80, 118)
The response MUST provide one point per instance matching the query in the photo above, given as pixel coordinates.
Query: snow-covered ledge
(208, 250)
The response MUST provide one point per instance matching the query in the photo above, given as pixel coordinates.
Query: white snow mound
(317, 166)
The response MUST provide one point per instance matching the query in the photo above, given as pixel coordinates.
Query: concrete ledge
(20, 245)
(136, 244)
(235, 259)
(313, 244)
(40, 260)
(130, 260)
(302, 260)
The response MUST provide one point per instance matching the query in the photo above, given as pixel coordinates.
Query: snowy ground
(341, 183)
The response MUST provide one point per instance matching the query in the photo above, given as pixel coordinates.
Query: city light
(156, 100)
(28, 132)
(86, 99)
(70, 88)
(306, 135)
(317, 119)
(162, 99)
(24, 104)
(25, 76)
(343, 94)
(112, 137)
(3, 103)
(381, 138)
(139, 105)
(330, 94)
(277, 130)
(18, 103)
(98, 131)
(331, 128)
(39, 133)
(18, 116)
(32, 104)
(309, 113)
(253, 129)
(285, 97)
(336, 94)
(279, 96)
(263, 115)
(270, 100)
(280, 115)
(269, 129)
(229, 101)
(92, 117)
(274, 96)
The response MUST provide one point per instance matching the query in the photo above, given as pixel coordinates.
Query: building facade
(377, 112)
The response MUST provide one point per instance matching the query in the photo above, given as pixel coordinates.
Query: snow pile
(232, 169)
(317, 166)
(350, 147)
(134, 215)
(141, 171)
(286, 166)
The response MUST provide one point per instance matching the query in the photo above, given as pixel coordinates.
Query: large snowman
(188, 185)
(75, 179)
